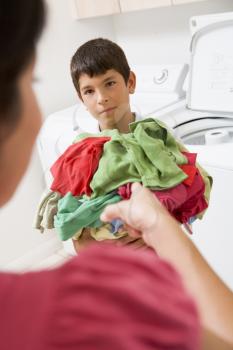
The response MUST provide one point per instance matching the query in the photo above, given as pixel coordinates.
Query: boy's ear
(131, 82)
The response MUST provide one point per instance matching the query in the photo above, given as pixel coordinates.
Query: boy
(104, 81)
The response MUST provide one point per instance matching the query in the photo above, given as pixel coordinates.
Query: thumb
(135, 188)
(111, 212)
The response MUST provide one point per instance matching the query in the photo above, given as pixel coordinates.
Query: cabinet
(179, 2)
(135, 5)
(94, 8)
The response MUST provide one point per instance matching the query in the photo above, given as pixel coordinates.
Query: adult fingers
(114, 211)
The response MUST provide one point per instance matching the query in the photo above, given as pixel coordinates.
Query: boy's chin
(108, 121)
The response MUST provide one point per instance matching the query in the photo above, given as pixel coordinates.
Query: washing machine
(204, 123)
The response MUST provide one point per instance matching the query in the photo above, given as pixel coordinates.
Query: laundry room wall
(62, 36)
(161, 35)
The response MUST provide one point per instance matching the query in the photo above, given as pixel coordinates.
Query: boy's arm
(85, 239)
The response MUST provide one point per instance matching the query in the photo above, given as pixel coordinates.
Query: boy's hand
(132, 242)
(83, 241)
(86, 239)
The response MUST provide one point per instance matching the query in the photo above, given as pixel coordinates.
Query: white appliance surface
(211, 137)
(204, 123)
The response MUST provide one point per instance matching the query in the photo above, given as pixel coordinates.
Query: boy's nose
(102, 99)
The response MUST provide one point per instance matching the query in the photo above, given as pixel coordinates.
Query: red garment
(182, 201)
(190, 168)
(195, 203)
(171, 198)
(74, 169)
(192, 157)
(106, 298)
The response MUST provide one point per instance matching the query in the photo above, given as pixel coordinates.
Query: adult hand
(142, 213)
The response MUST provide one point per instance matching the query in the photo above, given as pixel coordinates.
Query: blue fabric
(116, 225)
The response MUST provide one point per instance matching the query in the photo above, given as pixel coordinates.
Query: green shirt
(75, 213)
(148, 154)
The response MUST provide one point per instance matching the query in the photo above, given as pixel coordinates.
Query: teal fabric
(75, 213)
(148, 154)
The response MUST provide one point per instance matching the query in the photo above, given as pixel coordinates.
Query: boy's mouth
(108, 110)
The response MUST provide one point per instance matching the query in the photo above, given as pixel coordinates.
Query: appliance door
(212, 139)
(213, 235)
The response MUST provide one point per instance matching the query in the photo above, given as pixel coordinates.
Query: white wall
(61, 38)
(152, 36)
(17, 235)
(162, 35)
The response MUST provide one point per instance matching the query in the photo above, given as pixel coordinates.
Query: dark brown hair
(21, 23)
(97, 56)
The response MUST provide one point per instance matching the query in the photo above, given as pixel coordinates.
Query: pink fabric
(184, 200)
(106, 298)
(74, 169)
(172, 198)
(195, 202)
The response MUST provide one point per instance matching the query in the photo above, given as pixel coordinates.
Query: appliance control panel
(161, 78)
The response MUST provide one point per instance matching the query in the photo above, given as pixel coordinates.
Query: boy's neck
(122, 125)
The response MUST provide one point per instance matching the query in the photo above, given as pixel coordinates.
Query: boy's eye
(88, 92)
(111, 83)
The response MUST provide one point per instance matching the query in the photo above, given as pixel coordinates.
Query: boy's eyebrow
(86, 87)
(104, 81)
(109, 78)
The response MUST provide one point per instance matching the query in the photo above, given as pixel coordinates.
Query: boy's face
(106, 97)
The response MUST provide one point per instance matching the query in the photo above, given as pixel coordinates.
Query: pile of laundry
(97, 170)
